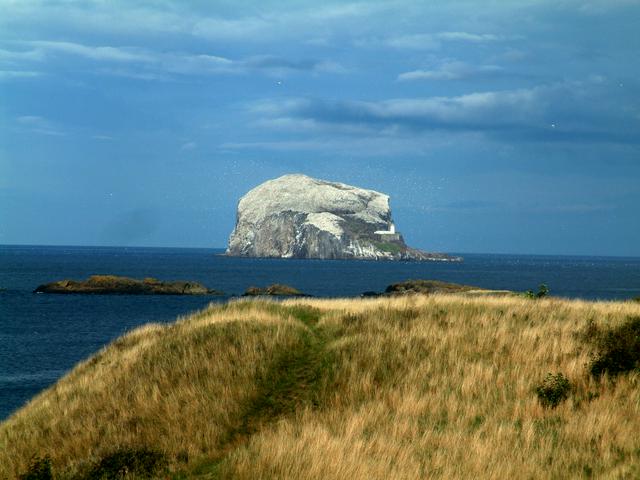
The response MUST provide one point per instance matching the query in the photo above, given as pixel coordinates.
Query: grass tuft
(553, 390)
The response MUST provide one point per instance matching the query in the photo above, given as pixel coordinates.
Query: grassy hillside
(444, 386)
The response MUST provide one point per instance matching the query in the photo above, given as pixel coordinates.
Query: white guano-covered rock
(296, 216)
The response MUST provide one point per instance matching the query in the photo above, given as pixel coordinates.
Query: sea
(42, 336)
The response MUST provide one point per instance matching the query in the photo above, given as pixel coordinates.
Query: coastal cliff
(296, 216)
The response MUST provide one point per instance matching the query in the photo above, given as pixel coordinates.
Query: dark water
(43, 336)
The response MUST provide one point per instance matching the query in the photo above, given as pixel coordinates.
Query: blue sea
(43, 336)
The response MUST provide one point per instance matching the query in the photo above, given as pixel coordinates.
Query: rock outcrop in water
(428, 287)
(111, 284)
(296, 216)
(275, 290)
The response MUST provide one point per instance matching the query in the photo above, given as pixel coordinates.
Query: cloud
(288, 22)
(37, 124)
(424, 41)
(363, 146)
(466, 111)
(434, 41)
(115, 54)
(275, 65)
(599, 7)
(146, 64)
(18, 74)
(246, 22)
(200, 64)
(563, 112)
(468, 37)
(116, 17)
(234, 29)
(452, 71)
(19, 55)
(17, 65)
(134, 74)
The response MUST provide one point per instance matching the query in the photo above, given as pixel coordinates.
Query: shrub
(553, 390)
(617, 348)
(543, 291)
(39, 469)
(141, 462)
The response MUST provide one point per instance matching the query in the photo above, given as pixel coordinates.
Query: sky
(494, 126)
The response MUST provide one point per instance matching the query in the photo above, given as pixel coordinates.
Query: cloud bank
(553, 113)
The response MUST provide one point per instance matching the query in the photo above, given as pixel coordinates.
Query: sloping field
(440, 386)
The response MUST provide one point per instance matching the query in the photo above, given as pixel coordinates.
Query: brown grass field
(440, 386)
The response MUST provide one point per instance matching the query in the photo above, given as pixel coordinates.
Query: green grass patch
(388, 247)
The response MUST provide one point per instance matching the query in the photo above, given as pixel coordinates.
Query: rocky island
(428, 287)
(275, 290)
(296, 216)
(112, 284)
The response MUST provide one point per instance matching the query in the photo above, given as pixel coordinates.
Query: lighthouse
(388, 235)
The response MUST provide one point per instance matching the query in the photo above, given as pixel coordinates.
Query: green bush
(542, 292)
(140, 462)
(617, 348)
(553, 390)
(39, 469)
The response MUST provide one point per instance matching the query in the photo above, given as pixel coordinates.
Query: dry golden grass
(408, 387)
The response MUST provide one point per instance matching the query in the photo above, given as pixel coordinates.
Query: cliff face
(296, 216)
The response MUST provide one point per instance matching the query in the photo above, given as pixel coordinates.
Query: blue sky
(496, 126)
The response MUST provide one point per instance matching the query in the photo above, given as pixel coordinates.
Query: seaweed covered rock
(112, 284)
(426, 286)
(276, 289)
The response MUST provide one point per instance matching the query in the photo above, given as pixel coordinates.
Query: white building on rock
(388, 235)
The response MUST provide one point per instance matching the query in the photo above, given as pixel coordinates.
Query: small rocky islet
(427, 287)
(116, 285)
(275, 290)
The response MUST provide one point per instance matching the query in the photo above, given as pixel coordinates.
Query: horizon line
(224, 248)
